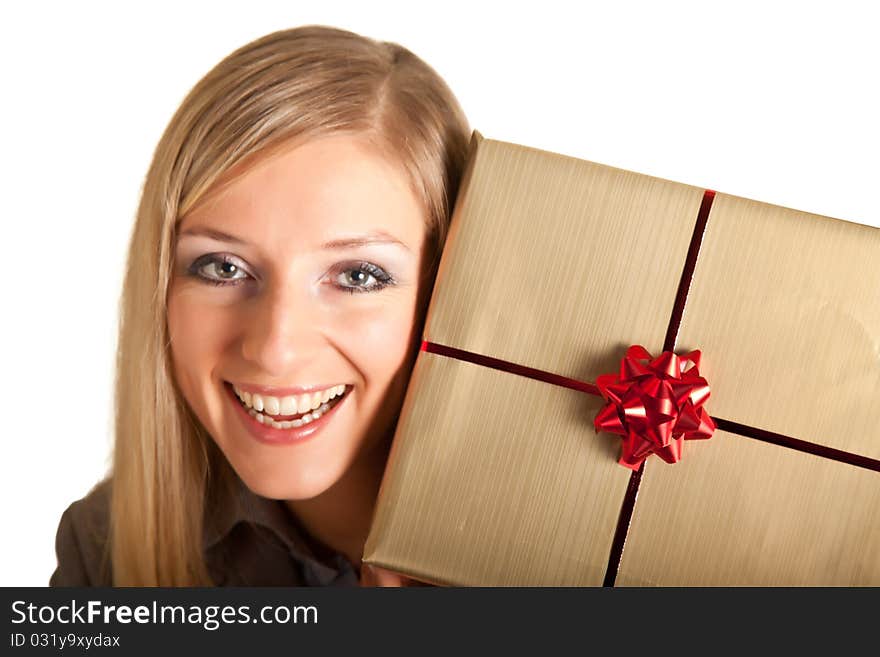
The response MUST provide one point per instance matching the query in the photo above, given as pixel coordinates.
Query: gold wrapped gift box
(560, 264)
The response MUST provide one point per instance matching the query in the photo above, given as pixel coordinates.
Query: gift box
(626, 380)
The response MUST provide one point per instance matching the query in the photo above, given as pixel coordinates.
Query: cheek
(197, 332)
(379, 337)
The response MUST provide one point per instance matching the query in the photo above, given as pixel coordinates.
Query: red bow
(655, 406)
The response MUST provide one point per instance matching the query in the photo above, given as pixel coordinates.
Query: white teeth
(303, 402)
(288, 406)
(291, 404)
(272, 405)
(287, 424)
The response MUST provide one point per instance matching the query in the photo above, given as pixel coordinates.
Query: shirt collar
(239, 504)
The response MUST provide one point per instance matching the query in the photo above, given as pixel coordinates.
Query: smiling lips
(290, 411)
(290, 404)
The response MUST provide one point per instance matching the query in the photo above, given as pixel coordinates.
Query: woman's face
(300, 277)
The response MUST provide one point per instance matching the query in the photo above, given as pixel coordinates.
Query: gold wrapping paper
(508, 496)
(560, 264)
(786, 308)
(737, 511)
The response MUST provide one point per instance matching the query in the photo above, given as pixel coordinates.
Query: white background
(772, 101)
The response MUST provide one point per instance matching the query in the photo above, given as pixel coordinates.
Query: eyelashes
(380, 277)
(217, 269)
(221, 269)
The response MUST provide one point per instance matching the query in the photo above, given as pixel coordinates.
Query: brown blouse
(254, 542)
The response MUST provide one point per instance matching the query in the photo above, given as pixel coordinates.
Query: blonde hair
(290, 84)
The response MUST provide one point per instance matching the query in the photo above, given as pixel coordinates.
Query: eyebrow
(367, 239)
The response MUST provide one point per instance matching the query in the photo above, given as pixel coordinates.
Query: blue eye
(357, 278)
(218, 269)
(224, 269)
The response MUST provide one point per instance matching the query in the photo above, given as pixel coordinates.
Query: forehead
(313, 192)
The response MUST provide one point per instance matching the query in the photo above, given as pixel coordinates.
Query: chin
(285, 485)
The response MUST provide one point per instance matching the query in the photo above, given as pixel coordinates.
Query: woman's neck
(339, 518)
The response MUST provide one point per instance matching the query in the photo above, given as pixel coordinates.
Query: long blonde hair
(294, 83)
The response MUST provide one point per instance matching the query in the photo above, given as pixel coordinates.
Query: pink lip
(281, 392)
(272, 436)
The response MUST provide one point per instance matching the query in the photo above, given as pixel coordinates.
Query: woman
(280, 266)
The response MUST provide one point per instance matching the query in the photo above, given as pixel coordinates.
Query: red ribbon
(655, 407)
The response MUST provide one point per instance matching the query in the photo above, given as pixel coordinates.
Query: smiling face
(302, 274)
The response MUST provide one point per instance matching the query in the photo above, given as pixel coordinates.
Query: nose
(280, 333)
